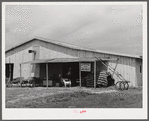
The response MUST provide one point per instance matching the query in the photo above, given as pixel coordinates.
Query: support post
(47, 73)
(115, 67)
(9, 70)
(20, 76)
(30, 70)
(95, 74)
(80, 73)
(9, 80)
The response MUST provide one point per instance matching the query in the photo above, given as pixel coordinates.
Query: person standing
(69, 74)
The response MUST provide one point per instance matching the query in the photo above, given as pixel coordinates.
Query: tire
(120, 85)
(126, 85)
(117, 85)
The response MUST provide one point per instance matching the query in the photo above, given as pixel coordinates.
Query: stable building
(46, 59)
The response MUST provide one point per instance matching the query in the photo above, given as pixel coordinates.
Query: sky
(114, 28)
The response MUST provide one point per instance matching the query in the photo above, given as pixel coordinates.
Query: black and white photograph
(74, 60)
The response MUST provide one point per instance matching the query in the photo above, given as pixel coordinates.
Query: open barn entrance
(54, 71)
(82, 71)
(74, 72)
(9, 70)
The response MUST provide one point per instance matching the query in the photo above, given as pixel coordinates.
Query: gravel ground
(74, 97)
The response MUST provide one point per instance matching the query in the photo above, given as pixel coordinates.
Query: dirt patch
(73, 98)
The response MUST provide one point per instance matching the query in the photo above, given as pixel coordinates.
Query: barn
(47, 59)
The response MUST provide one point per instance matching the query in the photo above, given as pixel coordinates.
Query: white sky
(116, 28)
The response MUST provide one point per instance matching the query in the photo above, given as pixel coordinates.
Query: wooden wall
(20, 57)
(52, 69)
(139, 72)
(127, 66)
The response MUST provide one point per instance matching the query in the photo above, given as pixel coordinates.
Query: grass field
(75, 97)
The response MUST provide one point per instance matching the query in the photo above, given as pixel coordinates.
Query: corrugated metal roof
(71, 46)
(66, 60)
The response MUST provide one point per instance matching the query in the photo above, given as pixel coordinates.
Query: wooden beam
(80, 73)
(47, 73)
(95, 74)
(9, 70)
(20, 76)
(115, 68)
(9, 74)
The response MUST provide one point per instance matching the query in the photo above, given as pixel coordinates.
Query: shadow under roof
(68, 60)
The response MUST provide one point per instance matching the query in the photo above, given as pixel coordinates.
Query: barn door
(139, 72)
(9, 71)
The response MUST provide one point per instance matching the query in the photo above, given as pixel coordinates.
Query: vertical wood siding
(20, 57)
(49, 54)
(126, 65)
(139, 78)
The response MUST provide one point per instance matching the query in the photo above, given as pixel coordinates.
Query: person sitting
(110, 79)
